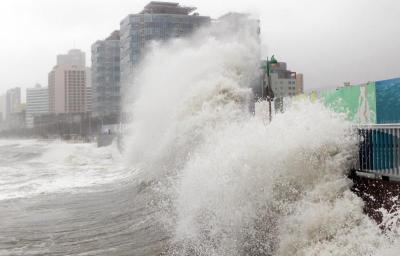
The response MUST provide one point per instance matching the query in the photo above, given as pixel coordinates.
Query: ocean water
(242, 188)
(200, 174)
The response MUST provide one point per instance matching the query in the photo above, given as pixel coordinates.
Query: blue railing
(379, 150)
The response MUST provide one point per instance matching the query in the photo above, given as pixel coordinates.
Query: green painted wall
(357, 101)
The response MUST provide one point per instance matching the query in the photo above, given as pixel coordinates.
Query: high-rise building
(73, 57)
(67, 83)
(158, 21)
(12, 101)
(88, 77)
(37, 103)
(88, 96)
(89, 103)
(106, 98)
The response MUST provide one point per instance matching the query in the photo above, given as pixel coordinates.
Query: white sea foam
(170, 119)
(56, 167)
(236, 186)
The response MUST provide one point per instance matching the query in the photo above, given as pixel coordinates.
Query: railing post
(379, 149)
(397, 153)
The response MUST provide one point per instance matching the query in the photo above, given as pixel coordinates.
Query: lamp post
(268, 94)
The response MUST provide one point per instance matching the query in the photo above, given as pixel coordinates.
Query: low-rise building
(299, 83)
(284, 82)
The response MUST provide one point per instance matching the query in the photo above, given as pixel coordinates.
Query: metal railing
(379, 149)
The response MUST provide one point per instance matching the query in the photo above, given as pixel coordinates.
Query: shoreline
(376, 194)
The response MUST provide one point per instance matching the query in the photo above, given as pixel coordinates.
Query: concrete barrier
(104, 140)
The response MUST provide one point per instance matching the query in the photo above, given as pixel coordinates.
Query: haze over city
(330, 42)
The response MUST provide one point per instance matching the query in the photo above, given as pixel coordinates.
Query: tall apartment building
(73, 57)
(158, 21)
(67, 83)
(12, 101)
(88, 101)
(283, 81)
(88, 95)
(37, 103)
(106, 98)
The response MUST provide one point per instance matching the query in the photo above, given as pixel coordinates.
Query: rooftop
(167, 8)
(114, 35)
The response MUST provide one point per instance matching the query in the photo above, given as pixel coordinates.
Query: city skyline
(356, 40)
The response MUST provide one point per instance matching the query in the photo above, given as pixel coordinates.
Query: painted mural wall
(374, 102)
(357, 102)
(388, 101)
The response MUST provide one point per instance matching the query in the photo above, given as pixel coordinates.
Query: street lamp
(268, 94)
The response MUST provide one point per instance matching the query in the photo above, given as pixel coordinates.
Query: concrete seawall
(104, 140)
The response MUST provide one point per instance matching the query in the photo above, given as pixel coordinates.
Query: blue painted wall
(388, 101)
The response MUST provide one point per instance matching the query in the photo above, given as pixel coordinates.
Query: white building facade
(37, 103)
(285, 82)
(12, 101)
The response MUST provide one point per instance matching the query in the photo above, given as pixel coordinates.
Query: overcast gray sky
(330, 41)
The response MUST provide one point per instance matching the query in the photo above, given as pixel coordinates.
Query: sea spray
(244, 179)
(184, 89)
(229, 184)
